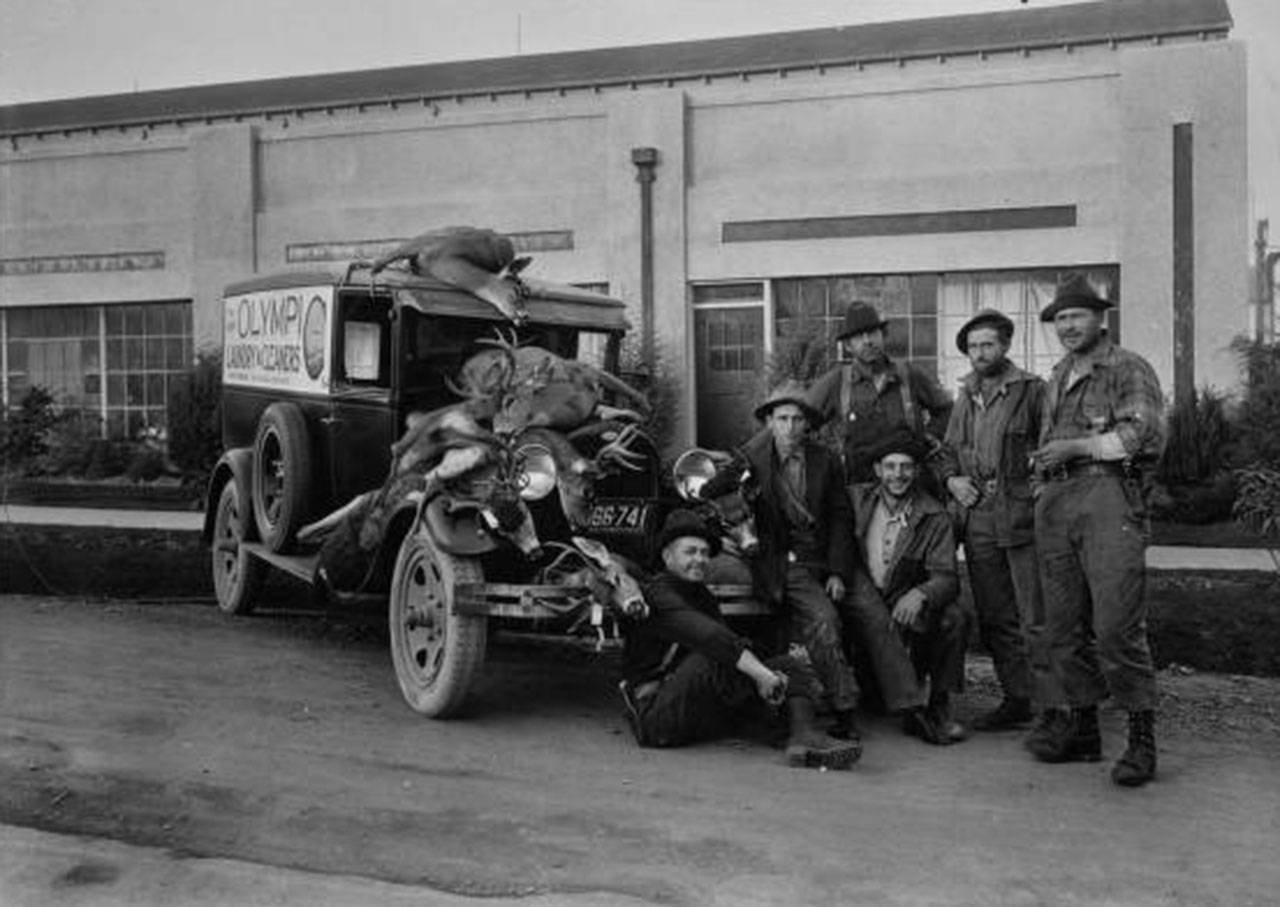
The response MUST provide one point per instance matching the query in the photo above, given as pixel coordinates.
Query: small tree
(26, 429)
(195, 416)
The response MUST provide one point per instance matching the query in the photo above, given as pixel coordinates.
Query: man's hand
(1057, 454)
(964, 490)
(909, 607)
(729, 546)
(772, 688)
(835, 588)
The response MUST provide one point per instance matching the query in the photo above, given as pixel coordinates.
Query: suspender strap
(908, 399)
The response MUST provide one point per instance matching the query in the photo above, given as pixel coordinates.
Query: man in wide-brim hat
(806, 556)
(689, 677)
(1103, 430)
(986, 469)
(902, 605)
(873, 394)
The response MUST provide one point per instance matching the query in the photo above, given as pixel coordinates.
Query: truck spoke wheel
(436, 653)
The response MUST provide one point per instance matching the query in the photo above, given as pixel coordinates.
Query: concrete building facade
(932, 167)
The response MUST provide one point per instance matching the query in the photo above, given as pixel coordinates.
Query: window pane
(134, 319)
(153, 318)
(155, 389)
(115, 390)
(115, 319)
(134, 390)
(155, 352)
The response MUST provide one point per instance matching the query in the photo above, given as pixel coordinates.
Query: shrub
(26, 429)
(195, 416)
(1257, 505)
(1199, 440)
(146, 464)
(106, 458)
(1258, 419)
(802, 356)
(663, 388)
(69, 444)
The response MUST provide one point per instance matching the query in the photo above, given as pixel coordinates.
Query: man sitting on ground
(689, 677)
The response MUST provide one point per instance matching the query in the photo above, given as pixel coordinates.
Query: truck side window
(364, 337)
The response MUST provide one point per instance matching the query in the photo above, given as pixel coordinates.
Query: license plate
(619, 515)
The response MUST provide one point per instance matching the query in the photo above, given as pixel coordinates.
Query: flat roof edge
(1072, 24)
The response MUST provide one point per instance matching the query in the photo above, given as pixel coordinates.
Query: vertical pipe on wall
(1184, 325)
(646, 160)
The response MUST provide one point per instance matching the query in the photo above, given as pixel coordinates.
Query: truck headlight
(536, 472)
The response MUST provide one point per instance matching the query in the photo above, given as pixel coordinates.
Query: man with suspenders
(874, 395)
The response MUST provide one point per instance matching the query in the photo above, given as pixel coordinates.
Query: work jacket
(996, 453)
(831, 552)
(924, 556)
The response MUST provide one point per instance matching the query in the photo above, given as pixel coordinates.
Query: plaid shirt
(1115, 391)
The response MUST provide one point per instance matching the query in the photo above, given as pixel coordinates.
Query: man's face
(1078, 328)
(897, 473)
(686, 557)
(987, 350)
(787, 423)
(867, 347)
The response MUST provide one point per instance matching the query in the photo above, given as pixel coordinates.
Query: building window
(814, 307)
(1021, 295)
(926, 311)
(115, 361)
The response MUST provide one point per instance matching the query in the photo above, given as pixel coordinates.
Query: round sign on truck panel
(313, 336)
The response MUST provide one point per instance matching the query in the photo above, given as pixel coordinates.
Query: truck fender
(233, 466)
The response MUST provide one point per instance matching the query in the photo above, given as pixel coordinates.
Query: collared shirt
(883, 531)
(1111, 395)
(791, 481)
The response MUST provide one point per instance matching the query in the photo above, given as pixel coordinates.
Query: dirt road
(282, 741)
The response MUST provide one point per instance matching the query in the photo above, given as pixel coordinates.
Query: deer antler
(619, 451)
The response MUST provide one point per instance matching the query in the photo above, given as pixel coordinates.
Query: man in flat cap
(806, 556)
(986, 468)
(689, 677)
(1103, 429)
(873, 394)
(902, 607)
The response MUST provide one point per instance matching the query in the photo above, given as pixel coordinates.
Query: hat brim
(712, 540)
(1096, 303)
(762, 411)
(845, 335)
(981, 321)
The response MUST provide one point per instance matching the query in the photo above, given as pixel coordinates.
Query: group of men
(1040, 481)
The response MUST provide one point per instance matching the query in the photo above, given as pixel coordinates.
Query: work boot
(1062, 736)
(919, 722)
(940, 713)
(845, 727)
(807, 747)
(631, 712)
(1010, 713)
(1138, 764)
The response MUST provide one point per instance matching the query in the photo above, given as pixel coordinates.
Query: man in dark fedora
(986, 468)
(1102, 432)
(806, 556)
(872, 394)
(902, 607)
(689, 677)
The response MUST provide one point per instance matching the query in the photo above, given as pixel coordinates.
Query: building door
(729, 364)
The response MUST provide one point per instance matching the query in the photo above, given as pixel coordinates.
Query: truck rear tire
(237, 574)
(281, 475)
(436, 653)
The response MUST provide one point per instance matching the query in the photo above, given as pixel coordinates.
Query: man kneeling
(689, 677)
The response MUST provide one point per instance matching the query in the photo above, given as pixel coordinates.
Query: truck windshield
(435, 347)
